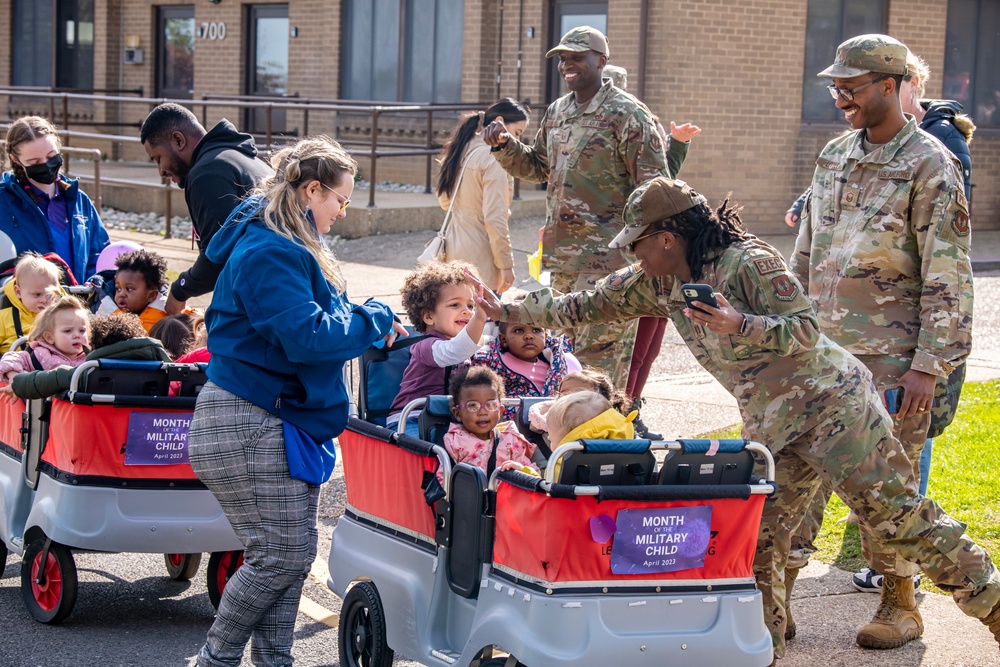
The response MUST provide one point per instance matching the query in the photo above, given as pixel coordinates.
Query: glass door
(175, 52)
(75, 44)
(267, 72)
(566, 15)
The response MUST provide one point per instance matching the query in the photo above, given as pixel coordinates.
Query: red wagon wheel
(222, 565)
(48, 581)
(182, 567)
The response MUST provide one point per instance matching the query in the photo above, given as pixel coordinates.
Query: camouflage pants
(606, 347)
(882, 491)
(912, 434)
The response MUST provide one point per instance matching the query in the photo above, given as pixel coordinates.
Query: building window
(54, 44)
(828, 24)
(972, 48)
(175, 52)
(402, 50)
(34, 30)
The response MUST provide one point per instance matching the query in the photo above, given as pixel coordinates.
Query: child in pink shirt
(480, 438)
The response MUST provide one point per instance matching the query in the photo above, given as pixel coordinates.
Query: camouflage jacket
(593, 158)
(884, 249)
(785, 374)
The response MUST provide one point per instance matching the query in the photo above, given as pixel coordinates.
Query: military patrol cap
(653, 203)
(581, 39)
(618, 75)
(868, 53)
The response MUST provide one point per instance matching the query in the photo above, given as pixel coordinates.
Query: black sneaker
(642, 431)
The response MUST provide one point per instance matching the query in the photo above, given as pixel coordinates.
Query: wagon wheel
(498, 662)
(222, 565)
(182, 567)
(3, 557)
(361, 633)
(48, 581)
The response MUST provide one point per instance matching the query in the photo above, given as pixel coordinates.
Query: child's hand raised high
(487, 301)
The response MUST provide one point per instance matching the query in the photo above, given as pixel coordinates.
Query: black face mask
(47, 172)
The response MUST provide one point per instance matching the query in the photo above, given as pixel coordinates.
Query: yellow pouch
(535, 263)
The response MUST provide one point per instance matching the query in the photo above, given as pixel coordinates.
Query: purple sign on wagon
(157, 438)
(661, 540)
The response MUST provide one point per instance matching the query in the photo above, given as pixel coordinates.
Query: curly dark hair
(152, 267)
(474, 376)
(422, 287)
(114, 328)
(602, 385)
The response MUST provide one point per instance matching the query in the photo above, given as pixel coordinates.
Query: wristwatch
(745, 327)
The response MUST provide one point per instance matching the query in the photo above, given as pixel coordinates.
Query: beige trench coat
(478, 231)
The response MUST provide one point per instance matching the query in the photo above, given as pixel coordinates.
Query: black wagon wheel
(48, 581)
(182, 567)
(498, 662)
(3, 557)
(222, 565)
(361, 632)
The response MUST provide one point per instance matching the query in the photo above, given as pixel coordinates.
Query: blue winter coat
(939, 121)
(279, 333)
(29, 229)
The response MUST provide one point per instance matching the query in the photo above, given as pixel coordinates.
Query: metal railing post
(374, 158)
(167, 209)
(98, 200)
(305, 122)
(267, 113)
(65, 114)
(430, 145)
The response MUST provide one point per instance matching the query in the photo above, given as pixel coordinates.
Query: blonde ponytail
(312, 159)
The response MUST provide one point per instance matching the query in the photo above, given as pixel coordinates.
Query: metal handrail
(429, 150)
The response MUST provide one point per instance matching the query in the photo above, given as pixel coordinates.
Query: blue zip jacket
(279, 333)
(939, 121)
(28, 228)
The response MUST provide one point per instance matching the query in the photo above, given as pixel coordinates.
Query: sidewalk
(684, 400)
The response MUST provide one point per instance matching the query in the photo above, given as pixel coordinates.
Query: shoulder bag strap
(454, 190)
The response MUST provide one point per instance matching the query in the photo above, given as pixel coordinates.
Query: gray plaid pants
(238, 452)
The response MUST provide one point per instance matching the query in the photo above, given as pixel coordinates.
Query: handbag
(436, 250)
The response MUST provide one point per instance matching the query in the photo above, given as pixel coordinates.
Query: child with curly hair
(440, 302)
(140, 286)
(479, 437)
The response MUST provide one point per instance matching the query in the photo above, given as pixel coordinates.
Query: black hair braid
(706, 231)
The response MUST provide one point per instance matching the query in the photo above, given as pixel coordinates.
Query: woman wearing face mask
(42, 210)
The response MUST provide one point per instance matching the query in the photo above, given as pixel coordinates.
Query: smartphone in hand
(893, 399)
(700, 293)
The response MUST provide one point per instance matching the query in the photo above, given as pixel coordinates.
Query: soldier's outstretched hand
(495, 134)
(485, 298)
(685, 132)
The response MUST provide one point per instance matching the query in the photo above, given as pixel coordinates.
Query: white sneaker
(868, 580)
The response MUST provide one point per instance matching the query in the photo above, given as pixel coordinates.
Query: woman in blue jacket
(42, 210)
(280, 329)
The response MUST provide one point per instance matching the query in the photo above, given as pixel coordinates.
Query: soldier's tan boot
(791, 574)
(897, 619)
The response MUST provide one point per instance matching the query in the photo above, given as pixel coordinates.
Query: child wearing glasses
(479, 437)
(440, 302)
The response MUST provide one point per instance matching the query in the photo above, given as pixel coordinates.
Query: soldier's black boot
(641, 430)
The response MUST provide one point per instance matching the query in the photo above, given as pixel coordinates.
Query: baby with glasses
(479, 437)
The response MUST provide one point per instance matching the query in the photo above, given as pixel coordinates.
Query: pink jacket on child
(48, 356)
(463, 446)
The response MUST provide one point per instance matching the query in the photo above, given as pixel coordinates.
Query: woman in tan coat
(480, 195)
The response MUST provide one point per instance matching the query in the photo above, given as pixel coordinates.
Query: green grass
(964, 479)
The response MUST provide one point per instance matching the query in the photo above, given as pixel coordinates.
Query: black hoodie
(224, 170)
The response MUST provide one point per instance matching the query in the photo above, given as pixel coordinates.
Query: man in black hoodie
(216, 170)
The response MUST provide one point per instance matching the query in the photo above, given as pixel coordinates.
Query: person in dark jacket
(216, 169)
(261, 436)
(40, 209)
(116, 336)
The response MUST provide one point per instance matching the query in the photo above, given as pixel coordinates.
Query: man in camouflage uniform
(811, 402)
(883, 248)
(593, 147)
